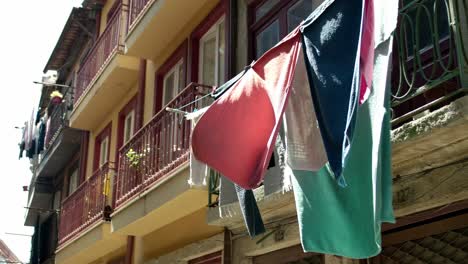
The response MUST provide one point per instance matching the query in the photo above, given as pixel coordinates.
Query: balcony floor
(144, 39)
(113, 83)
(94, 243)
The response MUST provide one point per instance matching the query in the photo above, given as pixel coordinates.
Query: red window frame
(277, 12)
(180, 53)
(131, 105)
(106, 132)
(220, 10)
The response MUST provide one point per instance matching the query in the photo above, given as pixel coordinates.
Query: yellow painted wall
(113, 117)
(104, 12)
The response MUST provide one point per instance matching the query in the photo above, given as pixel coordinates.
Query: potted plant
(56, 97)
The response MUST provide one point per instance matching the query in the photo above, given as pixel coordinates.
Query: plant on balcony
(56, 97)
(134, 157)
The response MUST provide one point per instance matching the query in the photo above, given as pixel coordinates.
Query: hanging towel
(331, 37)
(250, 212)
(347, 221)
(198, 170)
(302, 135)
(245, 118)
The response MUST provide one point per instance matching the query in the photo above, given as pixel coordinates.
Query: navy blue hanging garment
(331, 39)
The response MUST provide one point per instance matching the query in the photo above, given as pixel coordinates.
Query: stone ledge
(434, 140)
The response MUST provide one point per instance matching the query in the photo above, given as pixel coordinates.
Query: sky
(29, 31)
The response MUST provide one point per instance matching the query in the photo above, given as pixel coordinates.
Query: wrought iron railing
(136, 10)
(108, 43)
(158, 148)
(426, 66)
(56, 122)
(87, 204)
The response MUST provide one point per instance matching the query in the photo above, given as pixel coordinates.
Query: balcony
(157, 149)
(150, 19)
(60, 145)
(429, 86)
(87, 206)
(105, 75)
(152, 185)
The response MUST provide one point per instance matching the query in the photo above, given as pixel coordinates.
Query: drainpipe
(231, 40)
(140, 103)
(129, 252)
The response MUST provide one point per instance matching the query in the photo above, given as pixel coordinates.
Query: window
(102, 148)
(170, 78)
(73, 180)
(104, 151)
(174, 82)
(129, 126)
(212, 55)
(274, 19)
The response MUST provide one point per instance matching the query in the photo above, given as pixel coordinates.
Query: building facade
(6, 255)
(111, 185)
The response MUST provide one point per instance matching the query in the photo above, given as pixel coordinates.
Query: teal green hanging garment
(346, 221)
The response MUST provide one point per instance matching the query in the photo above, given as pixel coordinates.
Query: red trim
(84, 155)
(140, 101)
(180, 53)
(131, 105)
(97, 144)
(217, 12)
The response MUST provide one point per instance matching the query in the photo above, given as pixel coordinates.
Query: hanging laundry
(41, 139)
(367, 51)
(331, 36)
(237, 134)
(250, 212)
(228, 85)
(198, 170)
(199, 173)
(302, 135)
(22, 144)
(347, 221)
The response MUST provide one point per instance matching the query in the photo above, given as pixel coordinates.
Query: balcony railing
(109, 43)
(57, 121)
(88, 204)
(427, 64)
(136, 8)
(158, 148)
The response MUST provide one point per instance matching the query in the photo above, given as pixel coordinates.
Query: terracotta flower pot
(56, 100)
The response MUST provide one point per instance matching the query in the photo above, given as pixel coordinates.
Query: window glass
(298, 12)
(174, 82)
(212, 49)
(128, 126)
(209, 60)
(221, 48)
(73, 180)
(267, 38)
(264, 8)
(104, 151)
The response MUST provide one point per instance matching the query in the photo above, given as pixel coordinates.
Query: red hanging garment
(236, 135)
(367, 51)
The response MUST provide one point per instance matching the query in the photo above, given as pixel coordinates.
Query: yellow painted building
(113, 180)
